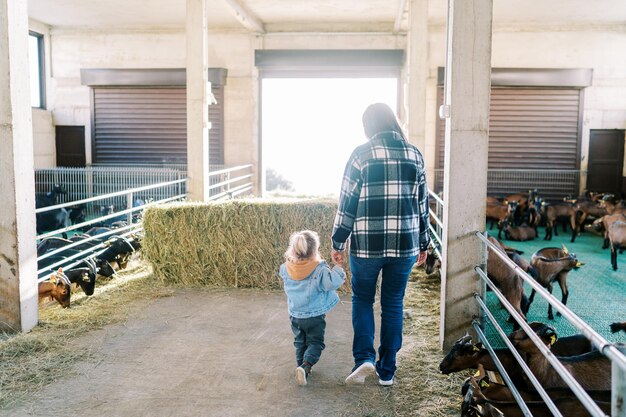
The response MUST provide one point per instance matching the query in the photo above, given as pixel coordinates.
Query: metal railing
(552, 184)
(436, 232)
(104, 179)
(128, 195)
(225, 183)
(609, 350)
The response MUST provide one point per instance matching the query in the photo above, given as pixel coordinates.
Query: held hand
(421, 258)
(337, 257)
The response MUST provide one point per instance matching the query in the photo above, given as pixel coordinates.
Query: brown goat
(616, 327)
(57, 288)
(607, 221)
(500, 212)
(617, 240)
(493, 400)
(591, 370)
(586, 208)
(613, 208)
(519, 233)
(555, 212)
(553, 264)
(507, 280)
(465, 355)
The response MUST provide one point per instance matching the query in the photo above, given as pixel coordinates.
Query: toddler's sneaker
(359, 373)
(302, 373)
(383, 382)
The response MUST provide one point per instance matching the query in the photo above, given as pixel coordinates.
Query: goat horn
(565, 251)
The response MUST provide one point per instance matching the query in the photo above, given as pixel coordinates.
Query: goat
(52, 220)
(51, 197)
(519, 233)
(494, 400)
(77, 213)
(119, 251)
(592, 370)
(85, 278)
(586, 208)
(466, 355)
(553, 264)
(534, 213)
(612, 207)
(432, 261)
(616, 327)
(507, 280)
(500, 212)
(605, 223)
(57, 288)
(51, 243)
(522, 200)
(617, 240)
(555, 212)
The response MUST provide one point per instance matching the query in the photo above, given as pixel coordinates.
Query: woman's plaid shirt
(383, 206)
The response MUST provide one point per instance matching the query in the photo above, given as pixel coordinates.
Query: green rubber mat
(597, 294)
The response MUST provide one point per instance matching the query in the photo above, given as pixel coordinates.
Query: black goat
(51, 197)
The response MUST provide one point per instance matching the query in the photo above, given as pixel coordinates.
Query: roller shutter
(148, 125)
(216, 134)
(529, 129)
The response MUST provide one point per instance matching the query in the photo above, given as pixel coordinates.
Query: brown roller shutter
(529, 129)
(140, 125)
(149, 125)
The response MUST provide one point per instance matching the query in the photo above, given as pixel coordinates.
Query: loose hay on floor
(422, 390)
(237, 243)
(29, 361)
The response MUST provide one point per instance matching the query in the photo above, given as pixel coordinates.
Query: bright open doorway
(310, 126)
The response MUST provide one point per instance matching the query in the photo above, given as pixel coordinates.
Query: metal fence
(552, 184)
(616, 353)
(612, 352)
(224, 184)
(97, 180)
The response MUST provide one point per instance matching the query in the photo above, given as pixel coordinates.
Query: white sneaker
(385, 383)
(300, 376)
(359, 374)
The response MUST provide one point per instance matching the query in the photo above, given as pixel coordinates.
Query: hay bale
(238, 243)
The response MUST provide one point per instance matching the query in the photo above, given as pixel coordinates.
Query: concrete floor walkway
(209, 353)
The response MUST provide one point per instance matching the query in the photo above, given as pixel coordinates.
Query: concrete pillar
(18, 262)
(418, 72)
(467, 91)
(198, 89)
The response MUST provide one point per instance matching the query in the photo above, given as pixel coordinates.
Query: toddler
(310, 285)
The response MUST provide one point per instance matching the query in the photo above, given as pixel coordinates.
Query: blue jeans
(364, 278)
(308, 338)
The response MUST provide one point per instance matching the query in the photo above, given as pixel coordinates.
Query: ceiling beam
(245, 17)
(399, 15)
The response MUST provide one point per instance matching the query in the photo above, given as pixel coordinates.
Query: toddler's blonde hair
(303, 245)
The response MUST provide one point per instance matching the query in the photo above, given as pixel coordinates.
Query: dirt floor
(209, 353)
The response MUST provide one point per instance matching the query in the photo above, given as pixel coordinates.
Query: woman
(383, 208)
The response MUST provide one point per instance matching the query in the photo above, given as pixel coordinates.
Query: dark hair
(378, 118)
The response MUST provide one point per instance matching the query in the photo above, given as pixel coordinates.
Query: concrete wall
(600, 48)
(44, 144)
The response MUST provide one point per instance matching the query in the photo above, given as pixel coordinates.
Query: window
(37, 78)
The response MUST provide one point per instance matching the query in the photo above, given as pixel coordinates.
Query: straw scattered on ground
(51, 351)
(33, 360)
(422, 390)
